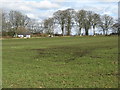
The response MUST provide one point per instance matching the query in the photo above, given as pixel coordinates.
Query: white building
(24, 35)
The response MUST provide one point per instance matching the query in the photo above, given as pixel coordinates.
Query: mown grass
(61, 62)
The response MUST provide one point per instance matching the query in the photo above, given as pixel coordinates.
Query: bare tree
(87, 21)
(115, 28)
(49, 25)
(60, 19)
(95, 21)
(69, 16)
(24, 21)
(6, 25)
(4, 21)
(106, 23)
(17, 19)
(79, 19)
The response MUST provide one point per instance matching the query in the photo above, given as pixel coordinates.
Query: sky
(41, 9)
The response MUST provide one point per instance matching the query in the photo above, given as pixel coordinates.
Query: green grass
(61, 62)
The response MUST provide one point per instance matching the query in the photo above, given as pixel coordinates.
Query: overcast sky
(40, 9)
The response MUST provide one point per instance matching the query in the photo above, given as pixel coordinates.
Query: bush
(10, 33)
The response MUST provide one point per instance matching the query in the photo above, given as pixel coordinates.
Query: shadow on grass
(64, 54)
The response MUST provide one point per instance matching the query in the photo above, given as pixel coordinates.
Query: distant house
(24, 35)
(28, 36)
(20, 36)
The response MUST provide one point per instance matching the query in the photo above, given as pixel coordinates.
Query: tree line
(14, 22)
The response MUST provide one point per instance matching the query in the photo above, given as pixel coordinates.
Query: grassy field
(61, 62)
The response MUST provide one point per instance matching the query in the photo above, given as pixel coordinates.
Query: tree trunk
(69, 31)
(79, 31)
(106, 31)
(103, 32)
(16, 31)
(68, 27)
(62, 28)
(86, 32)
(94, 31)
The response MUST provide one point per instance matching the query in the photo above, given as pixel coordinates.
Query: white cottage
(28, 36)
(24, 35)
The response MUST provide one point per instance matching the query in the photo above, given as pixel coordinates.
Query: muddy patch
(65, 54)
